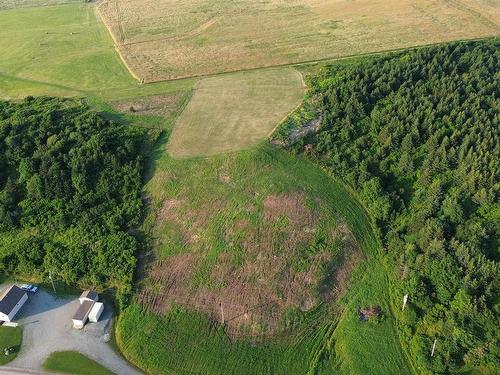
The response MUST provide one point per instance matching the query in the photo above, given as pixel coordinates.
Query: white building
(96, 312)
(87, 301)
(11, 301)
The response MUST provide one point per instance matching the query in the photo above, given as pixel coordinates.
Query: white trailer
(96, 312)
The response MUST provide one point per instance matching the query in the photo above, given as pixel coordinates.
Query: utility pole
(222, 313)
(405, 300)
(52, 282)
(433, 347)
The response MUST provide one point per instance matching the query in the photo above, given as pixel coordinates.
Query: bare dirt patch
(167, 211)
(261, 272)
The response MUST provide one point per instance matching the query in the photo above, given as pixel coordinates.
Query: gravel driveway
(47, 327)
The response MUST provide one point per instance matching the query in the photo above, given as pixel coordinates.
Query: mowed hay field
(58, 50)
(234, 111)
(166, 39)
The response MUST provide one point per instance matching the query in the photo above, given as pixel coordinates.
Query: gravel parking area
(47, 327)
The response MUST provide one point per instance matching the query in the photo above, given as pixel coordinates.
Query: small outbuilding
(96, 312)
(87, 301)
(82, 314)
(11, 301)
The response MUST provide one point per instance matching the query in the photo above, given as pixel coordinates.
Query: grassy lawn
(74, 363)
(174, 39)
(10, 337)
(233, 112)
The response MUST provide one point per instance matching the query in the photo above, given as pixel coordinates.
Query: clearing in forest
(233, 112)
(246, 231)
(167, 39)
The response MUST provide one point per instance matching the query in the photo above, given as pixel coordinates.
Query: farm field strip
(172, 39)
(235, 111)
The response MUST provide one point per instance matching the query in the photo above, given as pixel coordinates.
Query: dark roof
(90, 294)
(10, 299)
(83, 310)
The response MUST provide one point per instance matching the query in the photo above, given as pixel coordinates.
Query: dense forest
(70, 190)
(416, 135)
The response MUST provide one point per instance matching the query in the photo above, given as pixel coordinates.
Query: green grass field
(11, 4)
(10, 338)
(327, 339)
(74, 363)
(235, 111)
(63, 49)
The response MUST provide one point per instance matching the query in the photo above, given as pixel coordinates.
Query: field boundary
(326, 59)
(115, 42)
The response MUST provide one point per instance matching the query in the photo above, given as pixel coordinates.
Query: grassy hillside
(202, 260)
(65, 50)
(235, 111)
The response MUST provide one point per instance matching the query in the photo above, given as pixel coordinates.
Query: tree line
(416, 134)
(70, 191)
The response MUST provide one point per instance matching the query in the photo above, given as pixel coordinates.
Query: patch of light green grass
(74, 363)
(65, 50)
(235, 111)
(63, 47)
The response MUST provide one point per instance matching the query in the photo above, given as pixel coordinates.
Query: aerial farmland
(171, 39)
(253, 187)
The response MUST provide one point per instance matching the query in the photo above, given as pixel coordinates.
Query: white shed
(96, 312)
(11, 301)
(82, 314)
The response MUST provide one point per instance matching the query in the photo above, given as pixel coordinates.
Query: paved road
(47, 327)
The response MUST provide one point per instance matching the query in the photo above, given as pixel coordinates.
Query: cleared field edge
(175, 129)
(115, 41)
(304, 88)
